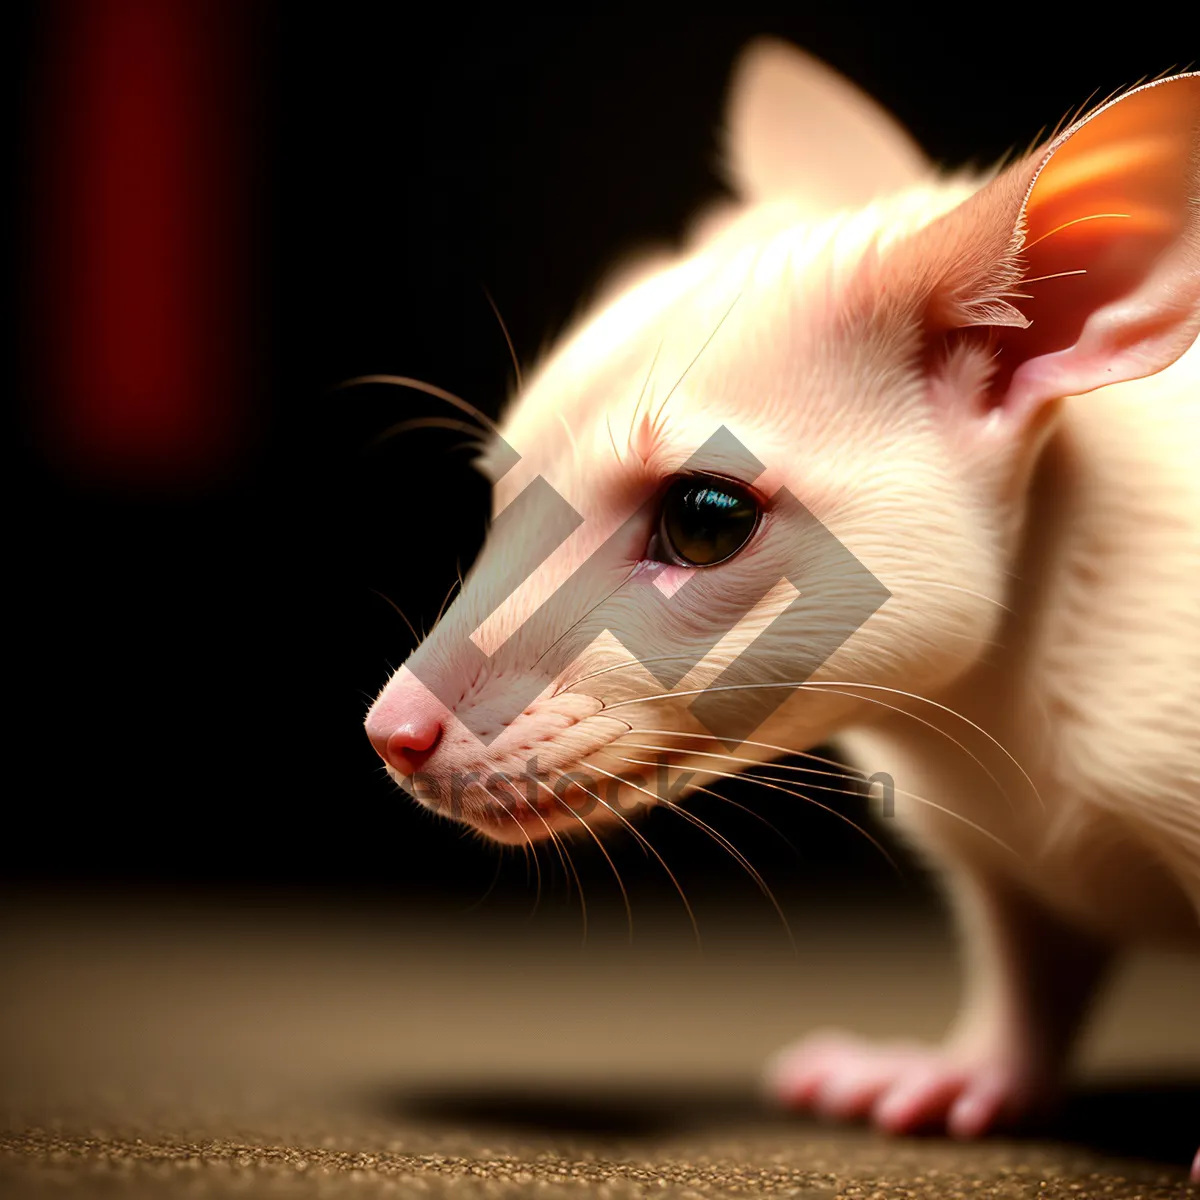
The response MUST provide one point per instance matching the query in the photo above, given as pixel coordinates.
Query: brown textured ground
(151, 1050)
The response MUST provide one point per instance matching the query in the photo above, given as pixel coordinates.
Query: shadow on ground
(1153, 1120)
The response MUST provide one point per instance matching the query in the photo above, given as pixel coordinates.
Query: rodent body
(1094, 683)
(987, 391)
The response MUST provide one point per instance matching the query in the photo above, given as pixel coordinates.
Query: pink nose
(405, 724)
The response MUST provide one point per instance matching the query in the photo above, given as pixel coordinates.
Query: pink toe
(914, 1103)
(797, 1075)
(976, 1111)
(851, 1093)
(796, 1082)
(798, 1090)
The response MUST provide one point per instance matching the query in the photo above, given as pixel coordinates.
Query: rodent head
(846, 406)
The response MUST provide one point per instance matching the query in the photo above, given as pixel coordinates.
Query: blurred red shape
(141, 257)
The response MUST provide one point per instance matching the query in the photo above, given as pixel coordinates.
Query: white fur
(1033, 683)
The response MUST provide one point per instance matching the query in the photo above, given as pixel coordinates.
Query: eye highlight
(704, 520)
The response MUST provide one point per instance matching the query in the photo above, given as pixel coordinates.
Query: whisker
(612, 438)
(529, 846)
(778, 766)
(779, 787)
(943, 732)
(430, 389)
(415, 423)
(558, 849)
(647, 847)
(624, 666)
(575, 624)
(530, 849)
(403, 616)
(578, 881)
(737, 856)
(756, 762)
(512, 352)
(454, 585)
(646, 842)
(603, 850)
(721, 840)
(911, 795)
(951, 712)
(641, 397)
(495, 880)
(600, 714)
(1056, 275)
(834, 684)
(564, 855)
(829, 762)
(787, 928)
(531, 852)
(707, 343)
(743, 807)
(725, 799)
(570, 436)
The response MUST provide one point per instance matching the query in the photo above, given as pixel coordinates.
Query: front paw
(905, 1087)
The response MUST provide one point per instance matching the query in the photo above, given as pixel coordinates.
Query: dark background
(193, 663)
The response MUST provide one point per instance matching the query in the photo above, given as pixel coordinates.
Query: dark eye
(704, 521)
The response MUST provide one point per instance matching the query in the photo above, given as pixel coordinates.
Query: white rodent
(986, 390)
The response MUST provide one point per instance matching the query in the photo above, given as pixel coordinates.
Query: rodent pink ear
(795, 127)
(1085, 256)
